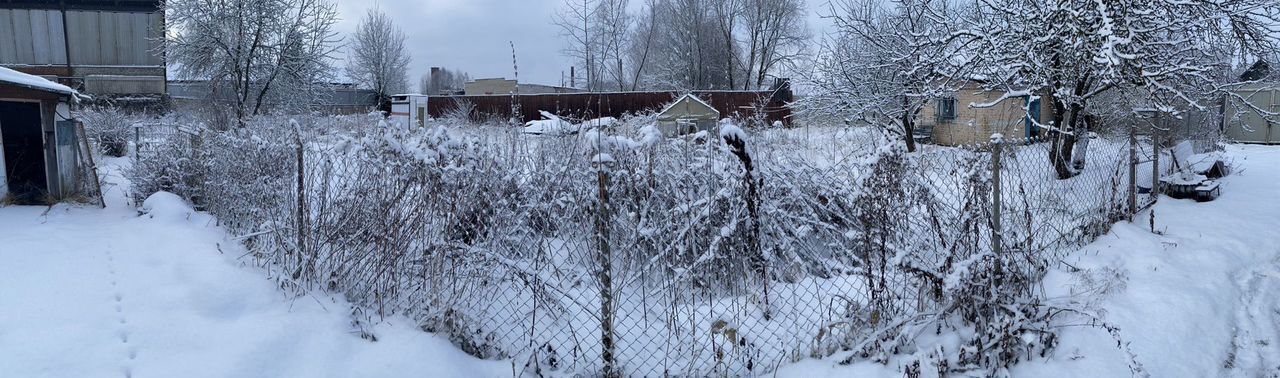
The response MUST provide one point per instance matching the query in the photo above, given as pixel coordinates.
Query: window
(946, 109)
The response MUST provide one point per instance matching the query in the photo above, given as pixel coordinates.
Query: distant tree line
(682, 44)
(443, 81)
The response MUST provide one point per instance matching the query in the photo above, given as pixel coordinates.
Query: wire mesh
(597, 254)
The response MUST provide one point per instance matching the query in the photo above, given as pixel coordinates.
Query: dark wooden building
(40, 146)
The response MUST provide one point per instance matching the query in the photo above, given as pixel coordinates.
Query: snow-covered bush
(726, 254)
(111, 129)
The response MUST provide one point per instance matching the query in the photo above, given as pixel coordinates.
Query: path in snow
(1202, 299)
(88, 292)
(1256, 346)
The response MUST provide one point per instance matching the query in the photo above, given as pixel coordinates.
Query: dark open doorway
(23, 140)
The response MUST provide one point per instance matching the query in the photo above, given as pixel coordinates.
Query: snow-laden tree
(1070, 52)
(378, 59)
(254, 52)
(884, 61)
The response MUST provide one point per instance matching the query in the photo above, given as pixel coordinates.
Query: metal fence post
(137, 140)
(302, 213)
(1155, 160)
(1133, 173)
(1155, 168)
(997, 146)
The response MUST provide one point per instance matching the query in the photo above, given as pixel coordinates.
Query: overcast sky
(472, 35)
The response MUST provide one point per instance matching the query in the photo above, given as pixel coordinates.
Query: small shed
(688, 114)
(39, 143)
(409, 109)
(1246, 115)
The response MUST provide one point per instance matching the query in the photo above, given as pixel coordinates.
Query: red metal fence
(591, 105)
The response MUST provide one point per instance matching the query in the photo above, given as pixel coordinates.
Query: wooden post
(604, 258)
(997, 144)
(301, 203)
(93, 166)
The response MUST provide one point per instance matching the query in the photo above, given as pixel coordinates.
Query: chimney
(434, 81)
(571, 78)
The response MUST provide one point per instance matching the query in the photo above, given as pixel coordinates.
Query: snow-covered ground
(1199, 299)
(89, 292)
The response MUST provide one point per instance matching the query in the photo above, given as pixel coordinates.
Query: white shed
(409, 109)
(688, 114)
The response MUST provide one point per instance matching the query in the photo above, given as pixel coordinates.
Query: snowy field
(89, 292)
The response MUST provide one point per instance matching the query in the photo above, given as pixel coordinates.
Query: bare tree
(378, 59)
(577, 21)
(715, 44)
(777, 34)
(727, 13)
(253, 51)
(688, 49)
(613, 30)
(443, 80)
(640, 42)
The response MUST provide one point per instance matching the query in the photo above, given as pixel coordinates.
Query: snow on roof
(691, 97)
(35, 82)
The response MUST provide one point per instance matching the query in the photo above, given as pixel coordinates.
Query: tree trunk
(1063, 142)
(908, 124)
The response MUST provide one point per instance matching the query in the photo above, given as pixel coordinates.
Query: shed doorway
(23, 142)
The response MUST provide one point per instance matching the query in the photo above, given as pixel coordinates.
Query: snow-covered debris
(735, 137)
(599, 123)
(551, 124)
(728, 129)
(165, 205)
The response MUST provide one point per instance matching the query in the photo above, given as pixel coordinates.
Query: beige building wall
(1244, 123)
(489, 87)
(975, 125)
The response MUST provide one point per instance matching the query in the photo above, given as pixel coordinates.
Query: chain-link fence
(704, 255)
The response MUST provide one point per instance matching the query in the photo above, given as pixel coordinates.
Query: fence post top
(997, 138)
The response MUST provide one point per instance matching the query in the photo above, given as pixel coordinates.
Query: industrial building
(102, 48)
